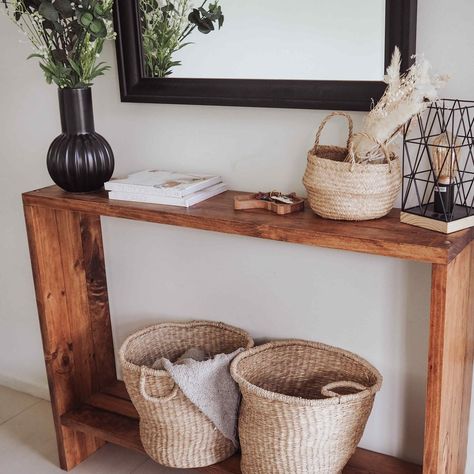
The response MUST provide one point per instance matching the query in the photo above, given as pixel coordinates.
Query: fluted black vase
(79, 160)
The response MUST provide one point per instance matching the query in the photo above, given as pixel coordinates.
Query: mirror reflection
(264, 39)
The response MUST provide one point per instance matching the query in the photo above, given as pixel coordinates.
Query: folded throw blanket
(209, 385)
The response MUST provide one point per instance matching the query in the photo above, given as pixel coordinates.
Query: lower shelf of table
(110, 416)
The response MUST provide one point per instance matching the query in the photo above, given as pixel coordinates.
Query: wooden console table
(91, 407)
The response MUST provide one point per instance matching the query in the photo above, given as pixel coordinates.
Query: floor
(28, 444)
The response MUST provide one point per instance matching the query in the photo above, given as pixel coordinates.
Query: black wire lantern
(438, 167)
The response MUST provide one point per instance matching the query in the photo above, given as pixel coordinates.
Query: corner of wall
(39, 390)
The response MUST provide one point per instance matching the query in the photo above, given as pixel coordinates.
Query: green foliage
(68, 36)
(166, 27)
(48, 11)
(205, 19)
(91, 20)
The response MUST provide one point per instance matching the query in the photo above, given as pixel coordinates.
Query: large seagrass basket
(174, 432)
(340, 187)
(304, 406)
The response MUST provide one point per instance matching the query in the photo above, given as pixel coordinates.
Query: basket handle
(326, 120)
(327, 390)
(149, 398)
(386, 153)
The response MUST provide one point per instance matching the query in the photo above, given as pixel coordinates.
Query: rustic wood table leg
(451, 353)
(71, 293)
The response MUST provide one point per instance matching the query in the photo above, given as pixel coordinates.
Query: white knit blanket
(209, 385)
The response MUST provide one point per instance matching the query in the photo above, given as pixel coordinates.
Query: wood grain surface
(386, 236)
(450, 365)
(124, 431)
(62, 306)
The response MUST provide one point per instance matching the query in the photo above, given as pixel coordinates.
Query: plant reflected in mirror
(166, 25)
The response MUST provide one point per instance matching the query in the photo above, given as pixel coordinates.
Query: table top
(386, 236)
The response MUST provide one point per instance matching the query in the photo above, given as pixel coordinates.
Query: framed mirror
(316, 54)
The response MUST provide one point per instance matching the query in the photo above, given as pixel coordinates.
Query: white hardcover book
(163, 183)
(186, 201)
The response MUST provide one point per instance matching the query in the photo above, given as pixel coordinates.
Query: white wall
(375, 306)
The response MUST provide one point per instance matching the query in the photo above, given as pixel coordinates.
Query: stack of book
(165, 187)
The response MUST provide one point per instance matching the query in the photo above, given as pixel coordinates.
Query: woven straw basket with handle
(174, 432)
(304, 406)
(341, 188)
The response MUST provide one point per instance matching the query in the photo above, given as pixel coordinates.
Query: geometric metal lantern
(438, 167)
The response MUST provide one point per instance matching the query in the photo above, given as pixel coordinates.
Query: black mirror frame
(400, 30)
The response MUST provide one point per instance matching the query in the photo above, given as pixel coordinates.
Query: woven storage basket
(304, 406)
(340, 188)
(174, 432)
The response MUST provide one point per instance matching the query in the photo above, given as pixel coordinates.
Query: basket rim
(299, 401)
(312, 156)
(181, 324)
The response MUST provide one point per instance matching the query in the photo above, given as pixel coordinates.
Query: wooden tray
(249, 201)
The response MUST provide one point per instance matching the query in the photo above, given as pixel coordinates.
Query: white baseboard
(35, 389)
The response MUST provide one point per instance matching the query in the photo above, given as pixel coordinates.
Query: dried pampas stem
(406, 96)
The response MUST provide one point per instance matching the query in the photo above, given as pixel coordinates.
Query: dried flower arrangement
(406, 96)
(165, 26)
(363, 180)
(68, 36)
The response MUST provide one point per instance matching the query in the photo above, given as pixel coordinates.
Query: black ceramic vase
(79, 160)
